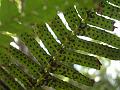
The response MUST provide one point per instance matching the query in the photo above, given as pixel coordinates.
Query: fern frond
(20, 75)
(116, 2)
(108, 10)
(35, 49)
(9, 80)
(58, 84)
(3, 86)
(91, 18)
(32, 67)
(50, 43)
(71, 57)
(68, 71)
(19, 71)
(81, 28)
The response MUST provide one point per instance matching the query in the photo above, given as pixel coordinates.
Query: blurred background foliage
(48, 8)
(107, 78)
(44, 9)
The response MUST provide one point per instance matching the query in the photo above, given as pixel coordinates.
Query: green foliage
(8, 11)
(71, 73)
(32, 67)
(71, 57)
(20, 71)
(42, 10)
(108, 10)
(47, 38)
(92, 18)
(4, 41)
(116, 2)
(8, 79)
(20, 75)
(57, 83)
(35, 49)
